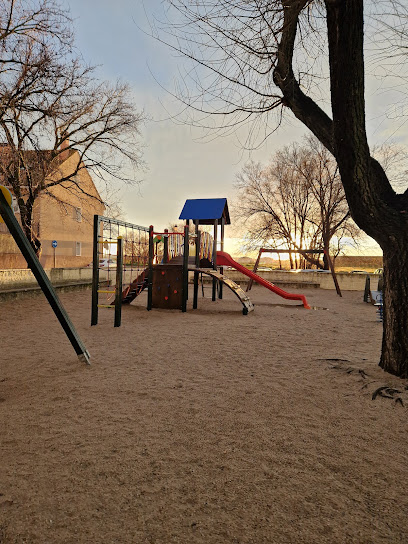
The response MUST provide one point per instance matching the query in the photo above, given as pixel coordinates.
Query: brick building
(64, 213)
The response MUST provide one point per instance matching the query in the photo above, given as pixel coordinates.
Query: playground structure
(158, 261)
(215, 212)
(7, 215)
(161, 261)
(168, 281)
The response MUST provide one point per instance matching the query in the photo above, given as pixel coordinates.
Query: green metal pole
(95, 271)
(222, 249)
(214, 284)
(197, 263)
(166, 247)
(32, 260)
(150, 272)
(185, 270)
(119, 283)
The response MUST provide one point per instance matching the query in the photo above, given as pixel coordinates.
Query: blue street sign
(54, 243)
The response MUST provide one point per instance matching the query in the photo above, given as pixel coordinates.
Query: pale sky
(180, 165)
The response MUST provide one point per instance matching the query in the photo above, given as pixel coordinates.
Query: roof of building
(41, 164)
(206, 210)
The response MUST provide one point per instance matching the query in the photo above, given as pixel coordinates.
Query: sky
(180, 164)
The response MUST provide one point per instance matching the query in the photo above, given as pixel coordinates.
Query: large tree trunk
(394, 354)
(374, 205)
(34, 241)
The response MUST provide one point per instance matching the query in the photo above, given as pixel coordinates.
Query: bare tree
(113, 203)
(268, 55)
(274, 205)
(394, 160)
(53, 109)
(296, 202)
(321, 175)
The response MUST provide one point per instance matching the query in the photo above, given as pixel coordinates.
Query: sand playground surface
(206, 427)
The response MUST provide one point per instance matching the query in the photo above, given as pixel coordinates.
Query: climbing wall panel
(167, 286)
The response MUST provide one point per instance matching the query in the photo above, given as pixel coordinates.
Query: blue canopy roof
(206, 210)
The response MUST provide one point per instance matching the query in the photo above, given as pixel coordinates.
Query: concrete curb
(35, 291)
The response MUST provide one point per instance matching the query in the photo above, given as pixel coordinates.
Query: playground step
(136, 288)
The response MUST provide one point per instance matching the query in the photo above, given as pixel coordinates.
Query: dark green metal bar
(185, 270)
(150, 273)
(222, 249)
(119, 283)
(122, 223)
(214, 285)
(95, 271)
(197, 263)
(166, 247)
(42, 278)
(188, 247)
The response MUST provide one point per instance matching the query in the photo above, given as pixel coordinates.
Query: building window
(14, 205)
(78, 214)
(78, 248)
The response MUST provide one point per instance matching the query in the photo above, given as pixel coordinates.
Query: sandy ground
(206, 427)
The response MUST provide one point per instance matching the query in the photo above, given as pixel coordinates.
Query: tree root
(334, 359)
(350, 369)
(386, 392)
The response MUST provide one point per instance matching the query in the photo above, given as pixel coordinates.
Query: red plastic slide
(224, 259)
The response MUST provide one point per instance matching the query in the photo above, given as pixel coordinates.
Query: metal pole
(222, 249)
(185, 270)
(188, 252)
(119, 283)
(197, 263)
(32, 260)
(150, 272)
(166, 247)
(214, 285)
(95, 271)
